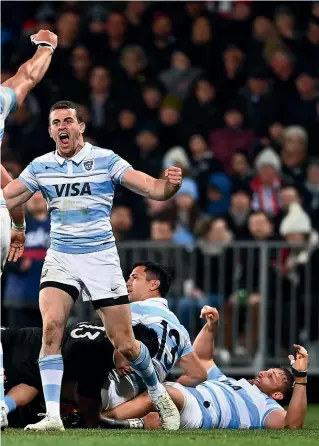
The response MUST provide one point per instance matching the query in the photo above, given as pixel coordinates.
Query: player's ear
(277, 396)
(82, 127)
(49, 130)
(155, 284)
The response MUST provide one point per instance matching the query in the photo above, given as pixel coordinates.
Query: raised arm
(156, 189)
(194, 372)
(204, 343)
(295, 416)
(32, 71)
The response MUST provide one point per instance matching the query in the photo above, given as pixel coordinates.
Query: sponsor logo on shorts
(88, 165)
(44, 273)
(115, 288)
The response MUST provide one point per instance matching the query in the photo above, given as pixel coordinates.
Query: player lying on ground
(89, 359)
(223, 402)
(12, 93)
(78, 182)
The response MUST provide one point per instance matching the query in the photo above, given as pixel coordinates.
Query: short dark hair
(287, 392)
(155, 271)
(64, 105)
(148, 336)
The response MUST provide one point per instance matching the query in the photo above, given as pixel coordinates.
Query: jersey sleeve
(8, 101)
(29, 178)
(188, 348)
(271, 406)
(214, 373)
(117, 166)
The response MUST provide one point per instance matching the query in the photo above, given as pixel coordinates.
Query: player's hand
(173, 176)
(46, 36)
(16, 245)
(152, 421)
(300, 361)
(210, 314)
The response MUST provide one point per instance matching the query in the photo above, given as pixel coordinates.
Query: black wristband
(298, 373)
(300, 384)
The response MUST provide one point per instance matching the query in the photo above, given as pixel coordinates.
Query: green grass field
(309, 435)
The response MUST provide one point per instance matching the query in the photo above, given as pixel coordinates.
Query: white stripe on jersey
(79, 193)
(8, 103)
(173, 338)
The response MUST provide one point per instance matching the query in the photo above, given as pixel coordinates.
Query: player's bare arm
(156, 189)
(16, 193)
(32, 71)
(204, 343)
(194, 372)
(295, 416)
(18, 223)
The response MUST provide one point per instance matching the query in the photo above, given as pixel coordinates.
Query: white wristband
(18, 228)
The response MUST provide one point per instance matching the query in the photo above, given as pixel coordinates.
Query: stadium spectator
(233, 137)
(213, 255)
(310, 192)
(294, 153)
(122, 222)
(266, 184)
(238, 213)
(179, 77)
(242, 173)
(218, 194)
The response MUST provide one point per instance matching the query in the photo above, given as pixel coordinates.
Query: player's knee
(52, 332)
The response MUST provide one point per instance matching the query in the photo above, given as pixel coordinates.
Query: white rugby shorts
(96, 276)
(191, 414)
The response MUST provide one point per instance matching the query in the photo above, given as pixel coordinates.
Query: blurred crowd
(228, 91)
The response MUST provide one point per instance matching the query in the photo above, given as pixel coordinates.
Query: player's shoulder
(46, 158)
(100, 152)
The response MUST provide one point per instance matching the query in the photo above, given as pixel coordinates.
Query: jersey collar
(76, 159)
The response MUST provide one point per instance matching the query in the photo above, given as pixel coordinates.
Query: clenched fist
(173, 176)
(45, 36)
(210, 314)
(301, 362)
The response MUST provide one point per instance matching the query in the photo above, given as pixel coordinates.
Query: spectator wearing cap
(260, 105)
(161, 44)
(232, 138)
(310, 192)
(301, 268)
(179, 78)
(218, 195)
(203, 164)
(177, 156)
(171, 129)
(201, 112)
(187, 212)
(266, 184)
(288, 195)
(238, 213)
(294, 153)
(95, 37)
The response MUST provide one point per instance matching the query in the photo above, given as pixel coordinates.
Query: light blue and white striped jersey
(231, 404)
(79, 193)
(173, 338)
(8, 103)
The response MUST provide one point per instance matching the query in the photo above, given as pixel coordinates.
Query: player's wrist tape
(301, 380)
(299, 373)
(136, 423)
(19, 228)
(44, 44)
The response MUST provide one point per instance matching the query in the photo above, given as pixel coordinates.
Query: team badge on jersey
(88, 165)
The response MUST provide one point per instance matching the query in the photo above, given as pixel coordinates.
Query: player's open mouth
(64, 138)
